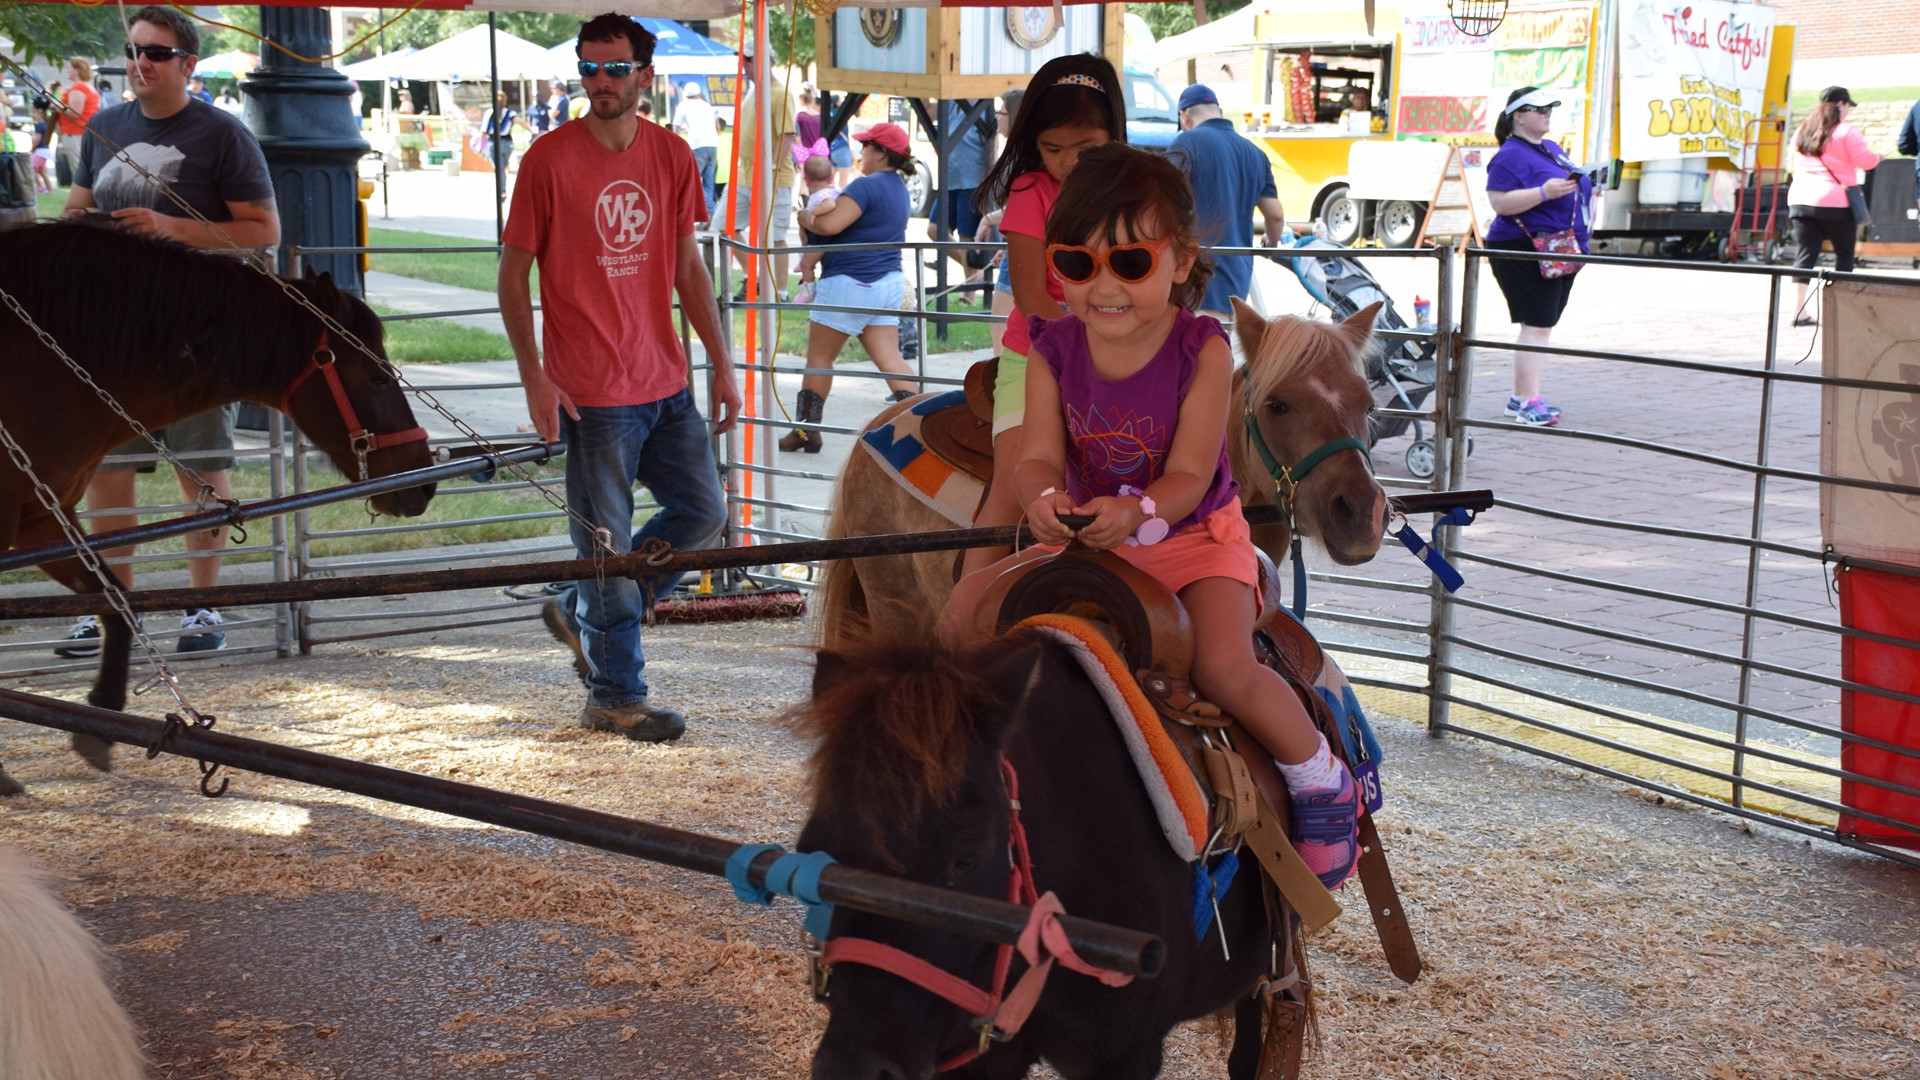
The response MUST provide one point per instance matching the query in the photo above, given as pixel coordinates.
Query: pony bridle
(1287, 478)
(998, 1015)
(359, 438)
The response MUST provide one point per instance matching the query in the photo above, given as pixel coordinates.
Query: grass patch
(456, 501)
(478, 270)
(440, 341)
(1802, 101)
(48, 204)
(793, 330)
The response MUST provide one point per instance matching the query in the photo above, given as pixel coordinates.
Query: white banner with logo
(1692, 74)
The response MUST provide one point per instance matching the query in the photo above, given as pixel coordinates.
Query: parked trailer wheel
(1343, 217)
(1398, 223)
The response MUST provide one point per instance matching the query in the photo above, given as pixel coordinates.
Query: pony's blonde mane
(58, 1019)
(1293, 348)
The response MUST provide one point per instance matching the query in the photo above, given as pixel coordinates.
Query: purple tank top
(1119, 432)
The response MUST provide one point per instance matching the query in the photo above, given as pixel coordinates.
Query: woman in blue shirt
(872, 210)
(1534, 188)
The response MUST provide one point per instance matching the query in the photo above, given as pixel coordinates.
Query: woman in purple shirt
(1534, 188)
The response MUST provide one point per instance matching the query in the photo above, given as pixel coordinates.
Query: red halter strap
(362, 441)
(998, 1015)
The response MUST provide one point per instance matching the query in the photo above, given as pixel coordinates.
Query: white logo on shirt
(623, 214)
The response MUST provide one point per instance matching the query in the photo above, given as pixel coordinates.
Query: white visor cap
(1539, 99)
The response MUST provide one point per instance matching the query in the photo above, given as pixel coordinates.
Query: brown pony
(170, 332)
(1304, 386)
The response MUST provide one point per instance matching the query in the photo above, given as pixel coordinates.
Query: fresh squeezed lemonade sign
(1692, 74)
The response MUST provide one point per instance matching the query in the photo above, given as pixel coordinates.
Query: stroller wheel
(1420, 458)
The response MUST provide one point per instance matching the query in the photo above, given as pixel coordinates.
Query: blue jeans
(665, 446)
(706, 158)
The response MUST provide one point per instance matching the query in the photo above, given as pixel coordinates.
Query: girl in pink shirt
(1828, 156)
(1072, 103)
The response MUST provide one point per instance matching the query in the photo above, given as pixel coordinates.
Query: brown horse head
(1304, 388)
(358, 412)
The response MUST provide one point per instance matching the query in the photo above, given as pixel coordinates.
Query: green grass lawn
(479, 270)
(1802, 101)
(455, 501)
(439, 341)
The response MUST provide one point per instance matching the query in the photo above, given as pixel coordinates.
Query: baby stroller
(1401, 373)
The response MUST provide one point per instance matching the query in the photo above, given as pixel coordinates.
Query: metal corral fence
(1648, 600)
(1651, 598)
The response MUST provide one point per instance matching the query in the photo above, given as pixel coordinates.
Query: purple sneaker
(1326, 830)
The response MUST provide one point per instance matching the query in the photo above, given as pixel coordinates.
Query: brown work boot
(636, 720)
(560, 624)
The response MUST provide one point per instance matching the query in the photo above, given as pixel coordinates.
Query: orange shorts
(1219, 546)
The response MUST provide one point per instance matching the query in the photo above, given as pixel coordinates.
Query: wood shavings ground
(1569, 928)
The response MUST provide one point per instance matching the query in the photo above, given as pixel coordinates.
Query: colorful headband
(1087, 81)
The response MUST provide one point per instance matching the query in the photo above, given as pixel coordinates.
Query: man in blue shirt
(1231, 179)
(967, 162)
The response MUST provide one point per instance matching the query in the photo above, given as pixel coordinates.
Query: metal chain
(115, 595)
(257, 261)
(207, 494)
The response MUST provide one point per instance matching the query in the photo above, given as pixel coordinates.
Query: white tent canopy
(462, 57)
(1229, 33)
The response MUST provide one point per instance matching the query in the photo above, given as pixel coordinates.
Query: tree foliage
(48, 33)
(1166, 20)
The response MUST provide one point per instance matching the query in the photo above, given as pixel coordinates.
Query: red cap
(891, 136)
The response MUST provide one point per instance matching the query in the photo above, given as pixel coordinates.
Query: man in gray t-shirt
(208, 159)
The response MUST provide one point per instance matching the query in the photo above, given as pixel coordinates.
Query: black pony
(907, 779)
(171, 332)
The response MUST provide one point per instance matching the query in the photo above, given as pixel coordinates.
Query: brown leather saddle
(962, 434)
(1151, 628)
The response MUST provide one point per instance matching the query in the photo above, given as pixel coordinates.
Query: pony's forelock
(1294, 345)
(898, 729)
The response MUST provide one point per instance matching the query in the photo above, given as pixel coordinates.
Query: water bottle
(1422, 313)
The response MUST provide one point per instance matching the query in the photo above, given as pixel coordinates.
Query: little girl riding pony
(1127, 400)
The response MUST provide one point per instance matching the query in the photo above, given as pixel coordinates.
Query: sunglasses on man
(615, 69)
(155, 54)
(1130, 263)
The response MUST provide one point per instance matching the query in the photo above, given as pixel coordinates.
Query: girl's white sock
(1318, 773)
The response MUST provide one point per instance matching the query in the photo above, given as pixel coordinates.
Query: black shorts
(1532, 300)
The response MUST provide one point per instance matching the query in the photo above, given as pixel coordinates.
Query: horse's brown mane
(897, 725)
(120, 303)
(1294, 347)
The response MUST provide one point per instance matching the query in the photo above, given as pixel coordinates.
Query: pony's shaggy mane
(118, 303)
(1295, 347)
(897, 727)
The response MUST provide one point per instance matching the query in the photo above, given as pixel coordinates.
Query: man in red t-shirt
(81, 101)
(608, 207)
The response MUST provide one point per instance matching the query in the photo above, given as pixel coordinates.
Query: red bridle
(998, 1015)
(360, 439)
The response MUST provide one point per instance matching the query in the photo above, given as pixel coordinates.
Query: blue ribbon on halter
(791, 874)
(1450, 578)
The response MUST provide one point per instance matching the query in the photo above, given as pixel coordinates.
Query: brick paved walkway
(1683, 314)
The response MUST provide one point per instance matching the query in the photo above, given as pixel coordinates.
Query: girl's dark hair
(1503, 127)
(1117, 184)
(1817, 128)
(1049, 103)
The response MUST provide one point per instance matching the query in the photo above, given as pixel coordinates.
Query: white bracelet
(1044, 494)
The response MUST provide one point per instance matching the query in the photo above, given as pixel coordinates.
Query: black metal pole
(488, 577)
(481, 468)
(1116, 948)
